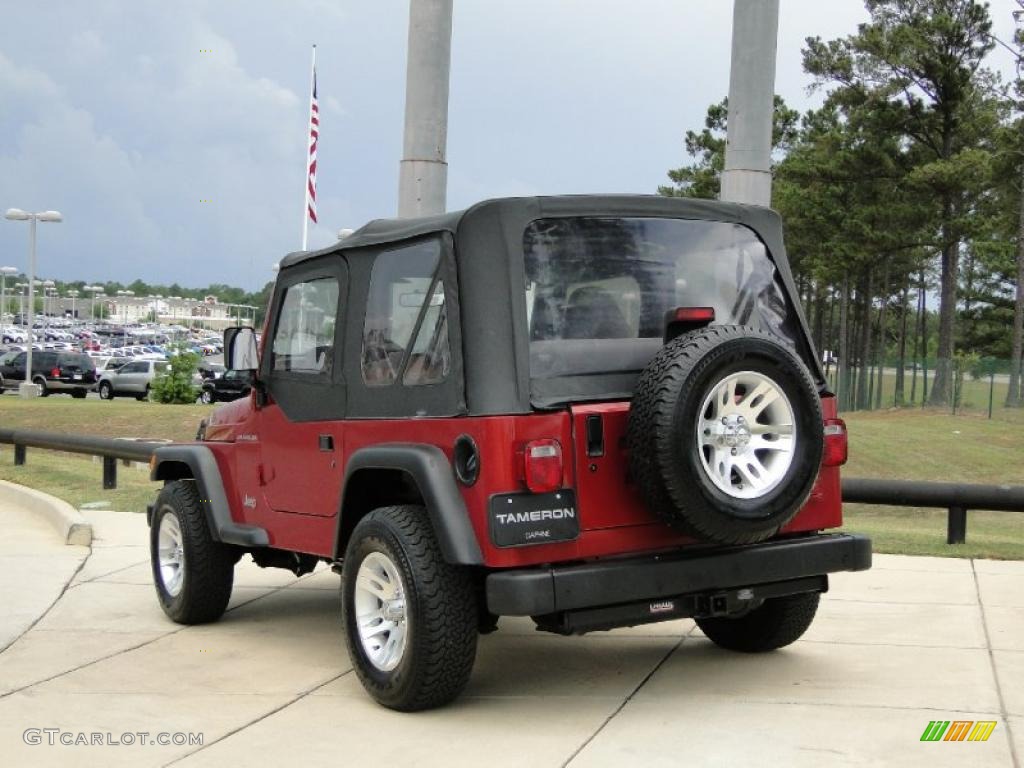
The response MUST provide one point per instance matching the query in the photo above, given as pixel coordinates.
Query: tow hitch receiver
(731, 602)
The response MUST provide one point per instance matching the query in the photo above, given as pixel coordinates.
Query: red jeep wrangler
(596, 411)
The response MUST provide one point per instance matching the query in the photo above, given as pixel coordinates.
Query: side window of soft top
(405, 333)
(305, 332)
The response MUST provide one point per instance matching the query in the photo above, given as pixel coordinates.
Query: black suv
(70, 372)
(231, 386)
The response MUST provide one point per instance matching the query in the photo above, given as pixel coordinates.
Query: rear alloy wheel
(41, 387)
(725, 434)
(106, 391)
(410, 617)
(777, 622)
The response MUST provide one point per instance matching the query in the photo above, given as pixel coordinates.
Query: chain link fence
(967, 384)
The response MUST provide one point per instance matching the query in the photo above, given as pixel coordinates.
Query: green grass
(78, 479)
(911, 444)
(923, 444)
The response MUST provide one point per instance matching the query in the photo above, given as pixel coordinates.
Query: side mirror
(240, 351)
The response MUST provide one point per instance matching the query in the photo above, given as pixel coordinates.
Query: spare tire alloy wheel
(725, 434)
(746, 435)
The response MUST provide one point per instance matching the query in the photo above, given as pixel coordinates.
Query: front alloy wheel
(171, 554)
(192, 573)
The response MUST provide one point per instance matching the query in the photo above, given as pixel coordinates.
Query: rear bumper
(61, 385)
(539, 591)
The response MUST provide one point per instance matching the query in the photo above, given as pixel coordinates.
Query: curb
(68, 521)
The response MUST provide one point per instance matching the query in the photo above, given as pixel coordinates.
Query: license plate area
(528, 519)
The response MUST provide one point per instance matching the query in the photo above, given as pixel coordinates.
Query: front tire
(106, 391)
(206, 397)
(778, 622)
(410, 618)
(193, 574)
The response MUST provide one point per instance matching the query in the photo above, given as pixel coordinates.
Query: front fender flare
(204, 470)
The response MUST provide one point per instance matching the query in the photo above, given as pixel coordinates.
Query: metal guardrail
(957, 498)
(111, 449)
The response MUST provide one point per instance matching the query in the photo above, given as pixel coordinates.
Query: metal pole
(423, 174)
(991, 391)
(956, 525)
(28, 390)
(747, 176)
(309, 146)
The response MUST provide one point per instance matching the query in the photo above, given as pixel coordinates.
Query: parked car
(52, 372)
(133, 379)
(210, 370)
(613, 416)
(231, 386)
(12, 335)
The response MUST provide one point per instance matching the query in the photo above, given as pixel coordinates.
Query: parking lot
(911, 641)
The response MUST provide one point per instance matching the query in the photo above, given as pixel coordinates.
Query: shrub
(175, 386)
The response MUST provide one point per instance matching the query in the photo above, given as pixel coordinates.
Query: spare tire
(725, 434)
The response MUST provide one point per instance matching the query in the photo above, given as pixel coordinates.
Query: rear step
(698, 606)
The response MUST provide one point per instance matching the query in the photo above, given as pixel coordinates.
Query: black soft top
(764, 221)
(488, 240)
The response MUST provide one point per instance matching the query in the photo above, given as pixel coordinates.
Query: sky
(172, 136)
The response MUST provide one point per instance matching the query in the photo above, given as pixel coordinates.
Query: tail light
(55, 372)
(542, 465)
(834, 454)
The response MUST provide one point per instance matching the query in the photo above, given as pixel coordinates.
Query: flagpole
(305, 178)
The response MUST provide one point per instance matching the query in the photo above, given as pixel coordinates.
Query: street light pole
(4, 272)
(15, 214)
(47, 290)
(21, 300)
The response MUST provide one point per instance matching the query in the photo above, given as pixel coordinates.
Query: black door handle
(326, 442)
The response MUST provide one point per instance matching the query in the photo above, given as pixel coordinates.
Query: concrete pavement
(913, 640)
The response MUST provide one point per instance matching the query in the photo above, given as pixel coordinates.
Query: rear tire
(144, 396)
(395, 576)
(193, 574)
(778, 622)
(41, 387)
(79, 394)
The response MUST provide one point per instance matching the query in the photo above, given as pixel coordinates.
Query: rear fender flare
(432, 472)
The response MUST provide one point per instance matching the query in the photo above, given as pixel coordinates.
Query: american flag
(314, 132)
